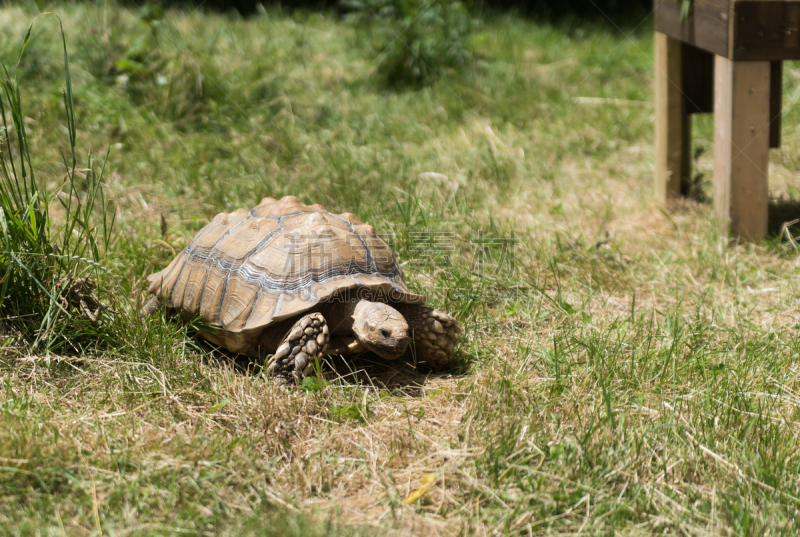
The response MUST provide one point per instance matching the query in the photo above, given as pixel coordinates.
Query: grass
(624, 368)
(46, 268)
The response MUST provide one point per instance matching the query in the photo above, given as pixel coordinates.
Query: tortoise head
(380, 328)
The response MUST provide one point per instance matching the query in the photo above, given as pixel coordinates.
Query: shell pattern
(249, 268)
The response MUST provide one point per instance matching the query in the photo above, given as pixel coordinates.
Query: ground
(624, 368)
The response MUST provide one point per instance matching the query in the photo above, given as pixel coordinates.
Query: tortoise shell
(250, 268)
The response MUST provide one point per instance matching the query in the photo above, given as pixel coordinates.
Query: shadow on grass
(367, 370)
(783, 212)
(399, 376)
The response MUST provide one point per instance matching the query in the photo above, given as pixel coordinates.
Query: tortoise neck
(340, 314)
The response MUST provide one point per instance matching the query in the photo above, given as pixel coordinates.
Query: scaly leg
(152, 306)
(307, 340)
(435, 334)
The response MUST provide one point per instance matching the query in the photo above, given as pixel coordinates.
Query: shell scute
(233, 249)
(195, 282)
(239, 298)
(382, 257)
(211, 294)
(176, 291)
(265, 209)
(351, 218)
(300, 223)
(286, 206)
(263, 310)
(217, 229)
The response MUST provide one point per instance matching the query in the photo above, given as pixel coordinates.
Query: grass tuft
(43, 258)
(418, 41)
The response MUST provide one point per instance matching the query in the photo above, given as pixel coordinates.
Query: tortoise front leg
(306, 340)
(434, 333)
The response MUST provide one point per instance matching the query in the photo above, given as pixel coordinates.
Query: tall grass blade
(40, 260)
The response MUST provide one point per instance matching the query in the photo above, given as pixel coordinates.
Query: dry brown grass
(635, 373)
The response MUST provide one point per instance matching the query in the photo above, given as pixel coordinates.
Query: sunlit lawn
(624, 367)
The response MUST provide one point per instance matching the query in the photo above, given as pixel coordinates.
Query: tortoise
(299, 282)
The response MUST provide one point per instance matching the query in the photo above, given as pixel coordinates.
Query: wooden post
(741, 145)
(672, 151)
(775, 105)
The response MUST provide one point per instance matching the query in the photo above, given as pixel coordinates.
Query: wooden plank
(697, 76)
(766, 30)
(671, 154)
(707, 26)
(744, 30)
(741, 145)
(775, 105)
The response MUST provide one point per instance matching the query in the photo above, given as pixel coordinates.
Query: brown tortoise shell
(250, 268)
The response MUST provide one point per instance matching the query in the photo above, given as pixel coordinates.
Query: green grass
(624, 369)
(47, 266)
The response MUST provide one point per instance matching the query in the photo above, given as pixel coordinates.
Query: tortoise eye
(384, 332)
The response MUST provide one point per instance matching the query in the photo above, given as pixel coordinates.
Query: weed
(43, 260)
(418, 41)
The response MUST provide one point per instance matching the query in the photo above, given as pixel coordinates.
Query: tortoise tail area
(158, 284)
(162, 280)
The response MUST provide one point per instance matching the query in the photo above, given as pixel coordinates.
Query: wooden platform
(725, 59)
